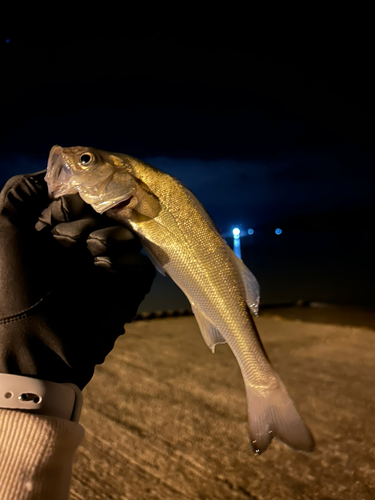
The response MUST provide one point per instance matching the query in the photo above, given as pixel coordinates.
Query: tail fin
(273, 414)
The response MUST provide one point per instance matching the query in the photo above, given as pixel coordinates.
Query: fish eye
(86, 159)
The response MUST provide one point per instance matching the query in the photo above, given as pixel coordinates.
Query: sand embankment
(165, 419)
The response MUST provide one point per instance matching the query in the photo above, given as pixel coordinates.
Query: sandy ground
(165, 419)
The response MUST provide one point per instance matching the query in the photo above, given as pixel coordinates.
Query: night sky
(270, 134)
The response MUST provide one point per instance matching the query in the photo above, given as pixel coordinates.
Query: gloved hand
(69, 282)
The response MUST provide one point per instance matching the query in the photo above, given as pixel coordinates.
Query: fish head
(102, 179)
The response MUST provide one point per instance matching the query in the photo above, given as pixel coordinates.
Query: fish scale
(217, 289)
(182, 241)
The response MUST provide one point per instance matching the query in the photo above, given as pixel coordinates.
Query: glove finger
(76, 232)
(122, 262)
(23, 197)
(70, 207)
(113, 241)
(45, 218)
(65, 209)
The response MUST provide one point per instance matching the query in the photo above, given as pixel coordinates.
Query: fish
(182, 241)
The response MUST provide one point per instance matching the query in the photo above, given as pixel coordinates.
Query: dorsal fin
(250, 283)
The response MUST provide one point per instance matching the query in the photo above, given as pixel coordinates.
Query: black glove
(69, 282)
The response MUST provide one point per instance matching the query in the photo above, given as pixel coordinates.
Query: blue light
(278, 231)
(7, 40)
(250, 231)
(236, 242)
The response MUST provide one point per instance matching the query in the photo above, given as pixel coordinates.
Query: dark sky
(269, 122)
(263, 133)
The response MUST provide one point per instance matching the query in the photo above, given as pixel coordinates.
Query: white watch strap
(40, 396)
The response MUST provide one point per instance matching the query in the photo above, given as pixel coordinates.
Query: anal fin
(210, 333)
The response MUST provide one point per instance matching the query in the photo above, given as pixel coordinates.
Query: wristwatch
(41, 397)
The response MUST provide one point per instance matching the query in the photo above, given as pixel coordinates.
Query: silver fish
(183, 242)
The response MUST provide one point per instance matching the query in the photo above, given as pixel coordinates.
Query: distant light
(236, 241)
(278, 230)
(250, 231)
(7, 40)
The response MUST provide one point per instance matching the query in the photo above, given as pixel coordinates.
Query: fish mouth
(59, 174)
(122, 204)
(116, 204)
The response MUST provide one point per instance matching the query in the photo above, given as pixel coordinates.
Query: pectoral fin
(154, 260)
(209, 332)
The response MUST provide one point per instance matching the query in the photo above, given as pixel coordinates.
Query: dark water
(331, 267)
